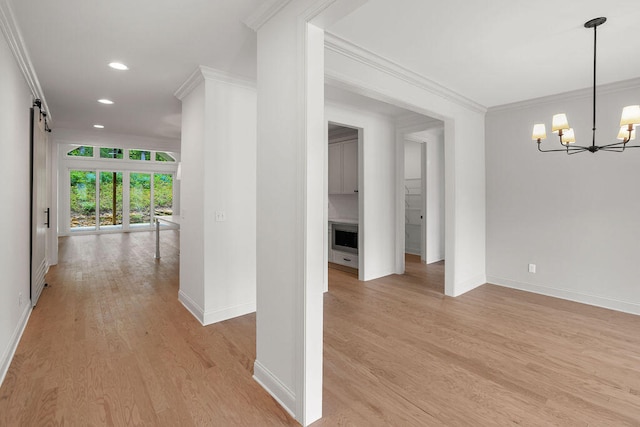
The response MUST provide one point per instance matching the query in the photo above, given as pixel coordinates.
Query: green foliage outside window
(164, 157)
(82, 151)
(111, 153)
(139, 155)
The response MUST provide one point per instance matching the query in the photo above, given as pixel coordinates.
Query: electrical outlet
(221, 216)
(532, 268)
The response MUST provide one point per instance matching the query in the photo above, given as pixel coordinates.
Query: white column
(218, 196)
(290, 207)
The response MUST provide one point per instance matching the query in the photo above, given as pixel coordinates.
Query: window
(83, 200)
(163, 194)
(140, 198)
(110, 153)
(82, 151)
(111, 199)
(164, 157)
(103, 199)
(139, 155)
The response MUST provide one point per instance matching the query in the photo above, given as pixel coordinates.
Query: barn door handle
(47, 211)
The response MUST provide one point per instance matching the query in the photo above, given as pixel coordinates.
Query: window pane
(82, 151)
(164, 157)
(83, 200)
(110, 153)
(110, 199)
(140, 198)
(139, 155)
(163, 194)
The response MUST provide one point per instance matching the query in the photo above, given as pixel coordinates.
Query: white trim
(280, 392)
(377, 62)
(112, 139)
(13, 35)
(189, 85)
(192, 306)
(267, 10)
(203, 73)
(10, 351)
(224, 77)
(621, 86)
(595, 300)
(415, 120)
(222, 314)
(469, 285)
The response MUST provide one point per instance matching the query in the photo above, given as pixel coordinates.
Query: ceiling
(491, 51)
(501, 51)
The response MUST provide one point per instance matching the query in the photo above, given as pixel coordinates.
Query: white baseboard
(612, 304)
(469, 285)
(228, 313)
(214, 316)
(9, 352)
(281, 393)
(192, 306)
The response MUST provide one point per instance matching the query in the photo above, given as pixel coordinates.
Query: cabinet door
(335, 169)
(350, 167)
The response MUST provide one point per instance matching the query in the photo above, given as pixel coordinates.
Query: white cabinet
(343, 167)
(344, 258)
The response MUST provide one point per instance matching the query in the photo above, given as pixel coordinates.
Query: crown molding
(264, 13)
(415, 120)
(13, 35)
(604, 89)
(373, 60)
(203, 73)
(108, 139)
(189, 85)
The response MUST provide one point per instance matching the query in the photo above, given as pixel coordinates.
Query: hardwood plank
(109, 344)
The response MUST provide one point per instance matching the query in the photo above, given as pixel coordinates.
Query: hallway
(109, 344)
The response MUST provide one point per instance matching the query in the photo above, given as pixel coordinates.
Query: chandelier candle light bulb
(560, 125)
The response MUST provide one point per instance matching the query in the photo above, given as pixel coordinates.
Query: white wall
(230, 188)
(15, 102)
(412, 160)
(192, 202)
(377, 194)
(435, 197)
(343, 206)
(218, 205)
(575, 217)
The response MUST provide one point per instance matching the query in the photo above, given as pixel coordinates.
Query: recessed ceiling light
(98, 126)
(105, 101)
(118, 66)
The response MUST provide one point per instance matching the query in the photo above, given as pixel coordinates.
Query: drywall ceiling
(501, 51)
(162, 41)
(492, 52)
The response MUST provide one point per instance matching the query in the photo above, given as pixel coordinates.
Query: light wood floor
(109, 344)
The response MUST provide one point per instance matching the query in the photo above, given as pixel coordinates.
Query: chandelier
(560, 125)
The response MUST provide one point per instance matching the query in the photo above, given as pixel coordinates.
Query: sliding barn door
(39, 208)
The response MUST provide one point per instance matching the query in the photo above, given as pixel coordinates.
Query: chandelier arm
(568, 149)
(614, 145)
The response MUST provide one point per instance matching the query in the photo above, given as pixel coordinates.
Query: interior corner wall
(575, 217)
(377, 187)
(218, 199)
(15, 226)
(229, 189)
